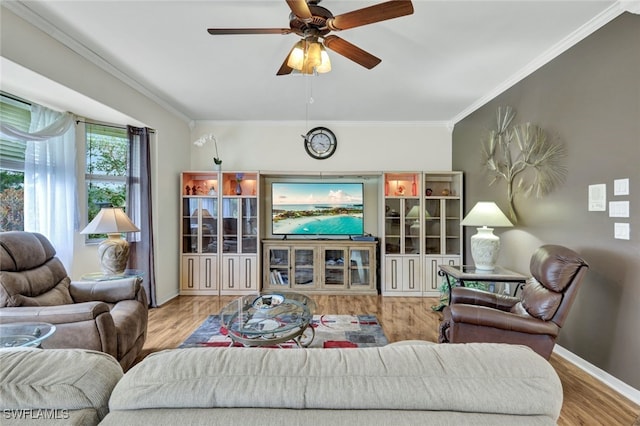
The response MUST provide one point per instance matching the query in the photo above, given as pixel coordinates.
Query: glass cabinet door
(249, 228)
(209, 220)
(199, 225)
(453, 231)
(412, 226)
(334, 267)
(303, 267)
(359, 267)
(190, 224)
(392, 225)
(230, 225)
(433, 229)
(278, 267)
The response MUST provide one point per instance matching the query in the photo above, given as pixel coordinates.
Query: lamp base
(113, 254)
(485, 247)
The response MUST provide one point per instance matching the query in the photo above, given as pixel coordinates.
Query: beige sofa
(399, 384)
(56, 386)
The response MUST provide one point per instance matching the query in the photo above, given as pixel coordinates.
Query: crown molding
(305, 124)
(21, 9)
(631, 6)
(571, 40)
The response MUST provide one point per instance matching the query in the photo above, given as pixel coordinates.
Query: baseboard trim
(168, 299)
(614, 383)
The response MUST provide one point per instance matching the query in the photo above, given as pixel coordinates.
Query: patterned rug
(331, 331)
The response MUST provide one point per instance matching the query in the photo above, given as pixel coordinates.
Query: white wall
(374, 146)
(27, 46)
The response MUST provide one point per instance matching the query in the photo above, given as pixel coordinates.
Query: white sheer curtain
(50, 189)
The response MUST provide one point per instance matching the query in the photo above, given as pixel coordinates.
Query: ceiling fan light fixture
(325, 63)
(308, 57)
(313, 58)
(296, 58)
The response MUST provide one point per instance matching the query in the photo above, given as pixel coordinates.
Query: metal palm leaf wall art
(524, 156)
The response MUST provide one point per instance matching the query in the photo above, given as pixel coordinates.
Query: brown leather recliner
(533, 320)
(106, 316)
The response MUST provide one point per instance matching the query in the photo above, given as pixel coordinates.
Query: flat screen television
(317, 208)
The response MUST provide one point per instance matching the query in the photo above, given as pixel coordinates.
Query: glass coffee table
(269, 319)
(24, 334)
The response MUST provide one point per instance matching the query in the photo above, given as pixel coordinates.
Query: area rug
(331, 331)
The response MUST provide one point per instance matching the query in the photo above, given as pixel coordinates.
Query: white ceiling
(438, 64)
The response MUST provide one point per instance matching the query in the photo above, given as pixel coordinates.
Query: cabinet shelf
(330, 267)
(421, 231)
(219, 230)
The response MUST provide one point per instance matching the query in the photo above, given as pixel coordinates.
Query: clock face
(320, 143)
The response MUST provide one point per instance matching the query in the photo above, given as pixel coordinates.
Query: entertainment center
(347, 233)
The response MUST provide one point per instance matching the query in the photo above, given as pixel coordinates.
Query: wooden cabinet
(320, 266)
(402, 275)
(239, 274)
(239, 232)
(219, 233)
(402, 237)
(223, 250)
(422, 215)
(199, 275)
(442, 226)
(199, 234)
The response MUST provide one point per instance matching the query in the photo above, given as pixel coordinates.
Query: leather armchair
(106, 316)
(534, 319)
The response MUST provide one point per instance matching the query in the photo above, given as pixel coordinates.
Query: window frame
(90, 127)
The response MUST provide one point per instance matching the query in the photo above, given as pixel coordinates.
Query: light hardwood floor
(587, 401)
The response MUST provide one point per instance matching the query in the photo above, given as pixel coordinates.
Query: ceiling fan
(313, 23)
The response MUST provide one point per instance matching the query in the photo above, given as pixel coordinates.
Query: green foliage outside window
(106, 174)
(11, 200)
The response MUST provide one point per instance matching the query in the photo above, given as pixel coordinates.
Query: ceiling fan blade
(236, 31)
(300, 8)
(369, 15)
(351, 51)
(284, 68)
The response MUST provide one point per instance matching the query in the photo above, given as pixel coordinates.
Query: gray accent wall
(589, 98)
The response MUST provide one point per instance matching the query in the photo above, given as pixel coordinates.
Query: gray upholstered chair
(534, 319)
(106, 316)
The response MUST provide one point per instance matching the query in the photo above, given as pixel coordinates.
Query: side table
(99, 276)
(462, 273)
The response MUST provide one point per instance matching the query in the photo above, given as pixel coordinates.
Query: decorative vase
(238, 187)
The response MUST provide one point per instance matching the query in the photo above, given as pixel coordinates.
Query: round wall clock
(320, 143)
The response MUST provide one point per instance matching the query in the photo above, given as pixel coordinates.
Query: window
(107, 159)
(107, 152)
(16, 113)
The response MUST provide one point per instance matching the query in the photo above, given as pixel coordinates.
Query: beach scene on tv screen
(317, 208)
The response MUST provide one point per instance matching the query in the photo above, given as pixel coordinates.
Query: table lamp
(485, 246)
(113, 252)
(414, 214)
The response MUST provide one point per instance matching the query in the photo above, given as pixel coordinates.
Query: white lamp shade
(485, 246)
(110, 220)
(486, 213)
(414, 213)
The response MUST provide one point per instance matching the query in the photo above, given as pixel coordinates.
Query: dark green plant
(12, 209)
(11, 200)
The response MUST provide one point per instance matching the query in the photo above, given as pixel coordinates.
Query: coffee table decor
(330, 331)
(269, 319)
